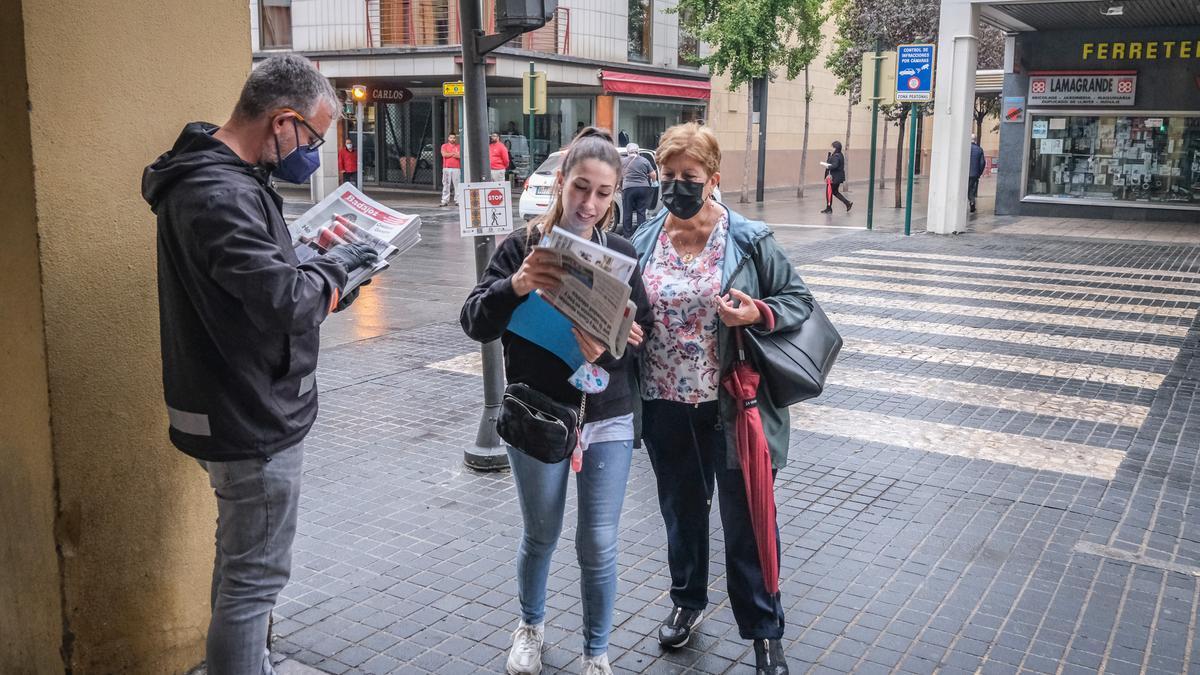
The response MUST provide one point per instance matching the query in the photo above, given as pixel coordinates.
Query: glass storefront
(643, 121)
(1138, 159)
(564, 117)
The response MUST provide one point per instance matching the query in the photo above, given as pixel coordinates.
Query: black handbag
(794, 364)
(537, 425)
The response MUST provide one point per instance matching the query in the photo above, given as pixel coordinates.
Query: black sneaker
(768, 658)
(677, 629)
(848, 206)
(827, 209)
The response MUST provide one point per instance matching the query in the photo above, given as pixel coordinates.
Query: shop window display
(1145, 159)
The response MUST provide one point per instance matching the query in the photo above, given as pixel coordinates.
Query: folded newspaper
(348, 216)
(594, 294)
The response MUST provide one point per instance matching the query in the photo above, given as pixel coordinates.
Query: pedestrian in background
(584, 187)
(977, 167)
(240, 320)
(708, 272)
(348, 162)
(451, 169)
(498, 158)
(835, 172)
(637, 191)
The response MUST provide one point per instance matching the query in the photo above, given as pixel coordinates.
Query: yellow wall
(785, 127)
(110, 86)
(30, 604)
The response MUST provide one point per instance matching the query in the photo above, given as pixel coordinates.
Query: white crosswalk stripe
(968, 358)
(1078, 277)
(816, 280)
(1096, 345)
(1007, 398)
(1033, 264)
(951, 280)
(948, 439)
(1024, 315)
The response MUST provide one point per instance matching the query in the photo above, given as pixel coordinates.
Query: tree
(863, 24)
(750, 39)
(986, 105)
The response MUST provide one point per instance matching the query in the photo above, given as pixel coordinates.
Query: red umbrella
(829, 190)
(755, 458)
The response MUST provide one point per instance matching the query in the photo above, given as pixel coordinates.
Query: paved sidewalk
(1000, 477)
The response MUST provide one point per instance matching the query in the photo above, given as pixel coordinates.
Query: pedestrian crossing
(1049, 361)
(1072, 345)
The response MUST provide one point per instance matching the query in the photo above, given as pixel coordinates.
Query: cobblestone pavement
(999, 478)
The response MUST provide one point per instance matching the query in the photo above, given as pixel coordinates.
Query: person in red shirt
(498, 154)
(451, 168)
(348, 162)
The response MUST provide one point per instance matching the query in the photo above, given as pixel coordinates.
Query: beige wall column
(107, 543)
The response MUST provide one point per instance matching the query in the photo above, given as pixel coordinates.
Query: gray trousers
(257, 503)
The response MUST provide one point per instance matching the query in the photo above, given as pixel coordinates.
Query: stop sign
(495, 197)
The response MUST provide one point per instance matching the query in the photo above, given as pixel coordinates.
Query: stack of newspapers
(348, 216)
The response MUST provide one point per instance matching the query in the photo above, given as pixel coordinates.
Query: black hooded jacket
(239, 314)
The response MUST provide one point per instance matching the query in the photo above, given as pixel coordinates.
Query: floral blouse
(679, 360)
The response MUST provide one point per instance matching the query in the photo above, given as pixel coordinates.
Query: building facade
(624, 66)
(621, 64)
(1101, 110)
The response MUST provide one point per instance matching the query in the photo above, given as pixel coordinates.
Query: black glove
(353, 256)
(350, 297)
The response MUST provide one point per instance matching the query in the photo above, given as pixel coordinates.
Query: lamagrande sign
(1112, 88)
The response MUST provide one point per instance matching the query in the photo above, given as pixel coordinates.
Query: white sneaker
(597, 665)
(525, 657)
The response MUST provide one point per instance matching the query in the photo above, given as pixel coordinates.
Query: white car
(539, 187)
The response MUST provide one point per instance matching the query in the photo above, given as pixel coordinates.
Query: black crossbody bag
(795, 363)
(539, 426)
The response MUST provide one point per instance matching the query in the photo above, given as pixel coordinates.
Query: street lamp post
(359, 92)
(513, 17)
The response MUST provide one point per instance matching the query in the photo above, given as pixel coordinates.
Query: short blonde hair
(691, 140)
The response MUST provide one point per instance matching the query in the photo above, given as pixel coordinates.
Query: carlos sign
(1095, 88)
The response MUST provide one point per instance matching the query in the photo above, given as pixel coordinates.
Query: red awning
(652, 85)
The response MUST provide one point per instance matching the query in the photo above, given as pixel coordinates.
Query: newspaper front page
(348, 216)
(594, 294)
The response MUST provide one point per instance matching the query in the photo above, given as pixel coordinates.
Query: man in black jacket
(239, 317)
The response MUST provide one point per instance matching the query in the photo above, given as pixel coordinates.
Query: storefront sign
(1152, 50)
(1014, 109)
(1083, 88)
(484, 209)
(391, 95)
(914, 73)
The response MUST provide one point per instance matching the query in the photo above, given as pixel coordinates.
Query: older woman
(708, 272)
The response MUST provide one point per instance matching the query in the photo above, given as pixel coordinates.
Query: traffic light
(359, 93)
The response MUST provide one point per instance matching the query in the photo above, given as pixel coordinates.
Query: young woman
(835, 171)
(709, 272)
(586, 182)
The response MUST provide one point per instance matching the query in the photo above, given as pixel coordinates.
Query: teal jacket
(756, 265)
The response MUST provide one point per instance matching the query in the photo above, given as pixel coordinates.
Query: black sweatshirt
(490, 306)
(239, 313)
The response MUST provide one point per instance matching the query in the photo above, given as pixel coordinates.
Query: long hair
(589, 143)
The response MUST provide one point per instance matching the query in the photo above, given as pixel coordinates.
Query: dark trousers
(350, 177)
(686, 444)
(972, 189)
(834, 194)
(634, 200)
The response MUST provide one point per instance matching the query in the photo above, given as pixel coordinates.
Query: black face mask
(683, 198)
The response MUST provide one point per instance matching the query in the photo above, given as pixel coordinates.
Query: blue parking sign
(914, 73)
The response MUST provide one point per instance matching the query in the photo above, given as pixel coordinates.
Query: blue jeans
(542, 491)
(257, 502)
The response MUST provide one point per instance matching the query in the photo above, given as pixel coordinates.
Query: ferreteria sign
(1144, 50)
(1108, 88)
